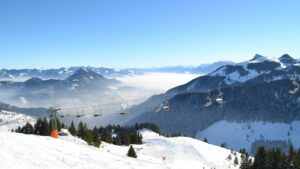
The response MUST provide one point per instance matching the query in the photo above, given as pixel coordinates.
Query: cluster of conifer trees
(91, 136)
(272, 159)
(114, 134)
(41, 127)
(127, 135)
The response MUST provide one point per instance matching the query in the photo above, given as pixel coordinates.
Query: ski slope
(19, 151)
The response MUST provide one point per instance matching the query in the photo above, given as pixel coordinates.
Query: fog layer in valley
(157, 82)
(110, 101)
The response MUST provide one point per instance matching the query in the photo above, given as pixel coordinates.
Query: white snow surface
(11, 120)
(234, 134)
(19, 151)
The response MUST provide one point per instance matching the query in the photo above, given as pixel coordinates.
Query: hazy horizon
(147, 67)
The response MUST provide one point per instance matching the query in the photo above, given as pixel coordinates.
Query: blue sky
(144, 33)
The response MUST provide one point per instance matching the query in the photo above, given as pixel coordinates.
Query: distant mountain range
(63, 73)
(82, 86)
(258, 90)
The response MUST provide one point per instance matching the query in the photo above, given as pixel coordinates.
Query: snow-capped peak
(260, 58)
(244, 71)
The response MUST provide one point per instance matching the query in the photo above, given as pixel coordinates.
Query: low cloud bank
(159, 82)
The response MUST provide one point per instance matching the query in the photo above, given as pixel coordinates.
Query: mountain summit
(84, 75)
(287, 59)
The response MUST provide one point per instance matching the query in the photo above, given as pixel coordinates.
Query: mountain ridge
(62, 73)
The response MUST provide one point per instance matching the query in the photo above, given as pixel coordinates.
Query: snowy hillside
(259, 69)
(11, 120)
(242, 135)
(242, 72)
(30, 151)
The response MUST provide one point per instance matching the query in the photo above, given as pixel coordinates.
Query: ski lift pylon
(54, 131)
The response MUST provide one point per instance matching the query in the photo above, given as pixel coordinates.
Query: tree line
(114, 134)
(271, 159)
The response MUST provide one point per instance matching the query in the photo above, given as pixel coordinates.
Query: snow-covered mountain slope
(270, 102)
(242, 72)
(242, 135)
(11, 120)
(257, 70)
(35, 152)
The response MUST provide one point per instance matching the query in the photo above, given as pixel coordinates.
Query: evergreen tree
(18, 130)
(236, 161)
(88, 137)
(96, 139)
(125, 139)
(45, 128)
(27, 129)
(223, 145)
(246, 162)
(117, 140)
(260, 159)
(38, 127)
(136, 138)
(72, 129)
(205, 140)
(131, 152)
(81, 130)
(42, 127)
(106, 136)
(276, 159)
